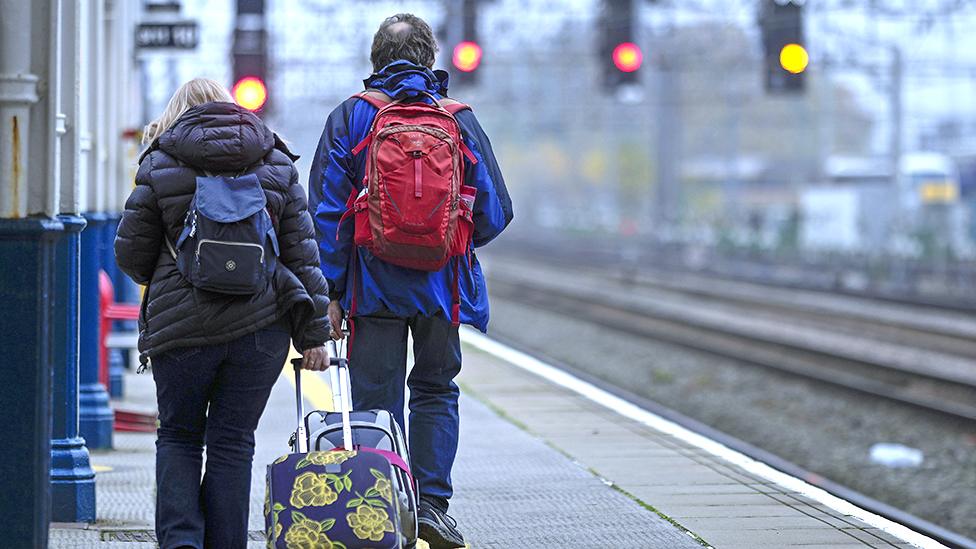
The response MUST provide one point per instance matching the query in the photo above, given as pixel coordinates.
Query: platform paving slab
(538, 480)
(722, 503)
(525, 494)
(512, 488)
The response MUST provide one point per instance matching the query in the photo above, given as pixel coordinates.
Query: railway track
(823, 279)
(909, 355)
(924, 326)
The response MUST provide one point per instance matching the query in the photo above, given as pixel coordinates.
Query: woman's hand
(335, 319)
(316, 358)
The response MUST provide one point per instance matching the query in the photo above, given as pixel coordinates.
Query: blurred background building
(706, 143)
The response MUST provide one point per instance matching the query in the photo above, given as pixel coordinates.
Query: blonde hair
(195, 92)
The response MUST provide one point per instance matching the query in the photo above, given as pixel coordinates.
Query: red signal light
(250, 93)
(467, 56)
(627, 57)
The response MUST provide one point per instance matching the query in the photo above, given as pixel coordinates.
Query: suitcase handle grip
(296, 363)
(341, 397)
(339, 362)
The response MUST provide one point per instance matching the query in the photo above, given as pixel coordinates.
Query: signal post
(250, 56)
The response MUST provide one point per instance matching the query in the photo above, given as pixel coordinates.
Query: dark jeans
(377, 367)
(234, 379)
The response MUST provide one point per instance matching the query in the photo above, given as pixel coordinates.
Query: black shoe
(437, 528)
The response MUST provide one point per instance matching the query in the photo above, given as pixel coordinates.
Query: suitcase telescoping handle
(301, 437)
(341, 390)
(341, 398)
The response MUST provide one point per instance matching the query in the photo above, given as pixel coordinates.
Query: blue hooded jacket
(336, 173)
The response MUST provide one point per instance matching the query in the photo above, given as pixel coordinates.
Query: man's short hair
(403, 36)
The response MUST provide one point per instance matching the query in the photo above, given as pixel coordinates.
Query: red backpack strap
(379, 100)
(362, 144)
(352, 302)
(350, 210)
(453, 106)
(455, 293)
(375, 98)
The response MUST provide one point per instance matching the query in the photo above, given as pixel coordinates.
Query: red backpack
(414, 209)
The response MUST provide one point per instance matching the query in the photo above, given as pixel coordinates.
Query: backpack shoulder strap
(379, 100)
(453, 106)
(375, 98)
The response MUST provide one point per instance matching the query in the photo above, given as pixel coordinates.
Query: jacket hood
(218, 136)
(404, 79)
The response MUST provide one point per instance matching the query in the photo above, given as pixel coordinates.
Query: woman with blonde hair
(217, 228)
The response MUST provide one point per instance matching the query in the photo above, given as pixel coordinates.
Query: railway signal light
(620, 56)
(794, 58)
(467, 56)
(463, 32)
(250, 56)
(250, 93)
(785, 56)
(627, 57)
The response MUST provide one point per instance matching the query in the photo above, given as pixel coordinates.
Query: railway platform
(546, 460)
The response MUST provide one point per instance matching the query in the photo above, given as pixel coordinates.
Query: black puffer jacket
(219, 138)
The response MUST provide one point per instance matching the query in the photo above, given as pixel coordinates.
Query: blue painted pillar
(126, 291)
(27, 248)
(116, 360)
(95, 417)
(116, 373)
(107, 248)
(72, 478)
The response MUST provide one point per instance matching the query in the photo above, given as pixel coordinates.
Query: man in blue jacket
(391, 300)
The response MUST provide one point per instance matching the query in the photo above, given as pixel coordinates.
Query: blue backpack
(228, 244)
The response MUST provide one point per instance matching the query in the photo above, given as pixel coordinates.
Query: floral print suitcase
(372, 429)
(331, 500)
(336, 499)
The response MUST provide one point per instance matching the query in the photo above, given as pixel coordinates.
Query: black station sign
(183, 35)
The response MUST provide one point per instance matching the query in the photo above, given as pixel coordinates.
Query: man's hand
(316, 358)
(335, 319)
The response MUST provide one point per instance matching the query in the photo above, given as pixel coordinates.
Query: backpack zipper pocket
(226, 243)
